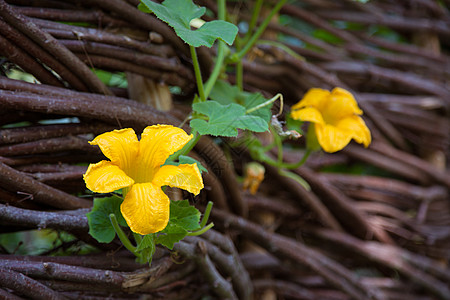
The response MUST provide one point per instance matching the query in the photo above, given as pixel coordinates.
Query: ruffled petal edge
(308, 114)
(315, 97)
(158, 142)
(331, 138)
(186, 177)
(358, 128)
(120, 146)
(105, 177)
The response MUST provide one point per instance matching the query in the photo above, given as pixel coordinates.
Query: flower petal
(158, 142)
(331, 138)
(359, 130)
(340, 104)
(315, 97)
(186, 177)
(120, 146)
(310, 114)
(146, 208)
(105, 177)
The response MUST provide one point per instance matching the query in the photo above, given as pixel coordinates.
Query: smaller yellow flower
(335, 117)
(136, 167)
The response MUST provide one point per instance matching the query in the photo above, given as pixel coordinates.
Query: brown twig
(73, 14)
(150, 61)
(286, 247)
(119, 261)
(223, 253)
(18, 181)
(65, 31)
(396, 22)
(311, 200)
(38, 219)
(215, 158)
(285, 289)
(27, 62)
(47, 146)
(39, 132)
(392, 165)
(197, 253)
(50, 44)
(24, 285)
(37, 52)
(397, 259)
(114, 112)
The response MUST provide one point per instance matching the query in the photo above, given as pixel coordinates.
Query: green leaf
(146, 248)
(254, 100)
(224, 120)
(100, 226)
(183, 218)
(179, 13)
(184, 215)
(224, 93)
(170, 235)
(327, 36)
(292, 124)
(182, 159)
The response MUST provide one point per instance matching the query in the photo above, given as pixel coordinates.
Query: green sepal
(146, 249)
(293, 124)
(100, 227)
(312, 143)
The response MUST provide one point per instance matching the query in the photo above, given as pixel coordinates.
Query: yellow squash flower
(135, 167)
(335, 117)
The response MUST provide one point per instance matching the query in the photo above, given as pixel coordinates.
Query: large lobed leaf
(179, 13)
(100, 226)
(224, 120)
(224, 93)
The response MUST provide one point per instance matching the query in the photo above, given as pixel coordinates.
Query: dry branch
(317, 244)
(47, 42)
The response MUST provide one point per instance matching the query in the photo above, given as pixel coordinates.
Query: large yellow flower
(135, 167)
(335, 117)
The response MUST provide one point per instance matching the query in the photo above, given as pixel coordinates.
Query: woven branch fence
(380, 233)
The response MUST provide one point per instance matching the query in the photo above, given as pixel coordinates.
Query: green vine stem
(300, 163)
(254, 20)
(268, 102)
(205, 218)
(251, 42)
(198, 74)
(221, 52)
(218, 67)
(206, 214)
(201, 231)
(279, 144)
(137, 238)
(187, 148)
(239, 67)
(282, 47)
(295, 177)
(122, 236)
(265, 158)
